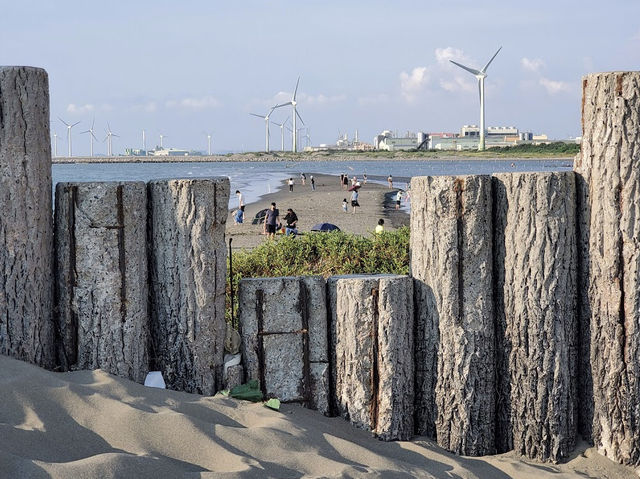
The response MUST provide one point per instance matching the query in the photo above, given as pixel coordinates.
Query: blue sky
(186, 68)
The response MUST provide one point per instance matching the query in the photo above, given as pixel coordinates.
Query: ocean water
(256, 179)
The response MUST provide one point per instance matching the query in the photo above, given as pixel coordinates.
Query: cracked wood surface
(187, 271)
(26, 231)
(609, 223)
(101, 277)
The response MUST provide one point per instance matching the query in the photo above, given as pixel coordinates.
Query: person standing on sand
(313, 183)
(303, 178)
(271, 221)
(364, 179)
(292, 223)
(344, 205)
(238, 217)
(291, 184)
(341, 180)
(354, 201)
(240, 199)
(390, 181)
(380, 227)
(398, 199)
(345, 182)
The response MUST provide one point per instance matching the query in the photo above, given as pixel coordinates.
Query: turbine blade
(298, 114)
(296, 90)
(282, 104)
(470, 70)
(93, 122)
(113, 134)
(94, 136)
(75, 124)
(86, 131)
(489, 62)
(63, 121)
(255, 114)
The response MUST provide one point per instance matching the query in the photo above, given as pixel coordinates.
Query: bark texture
(187, 270)
(101, 277)
(451, 261)
(284, 338)
(374, 354)
(26, 232)
(610, 226)
(536, 326)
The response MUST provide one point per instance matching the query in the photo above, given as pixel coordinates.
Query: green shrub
(323, 254)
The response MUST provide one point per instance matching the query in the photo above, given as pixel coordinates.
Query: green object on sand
(273, 403)
(249, 391)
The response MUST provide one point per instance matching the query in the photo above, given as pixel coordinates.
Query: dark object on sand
(325, 227)
(259, 217)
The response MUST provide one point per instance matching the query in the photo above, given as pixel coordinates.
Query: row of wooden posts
(517, 328)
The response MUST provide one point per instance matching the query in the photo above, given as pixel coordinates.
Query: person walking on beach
(354, 201)
(344, 205)
(292, 223)
(390, 181)
(342, 181)
(380, 227)
(398, 199)
(345, 182)
(271, 221)
(364, 179)
(313, 183)
(291, 184)
(240, 199)
(303, 178)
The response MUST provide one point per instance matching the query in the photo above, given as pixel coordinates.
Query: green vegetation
(324, 254)
(550, 149)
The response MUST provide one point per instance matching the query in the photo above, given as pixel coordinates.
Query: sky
(191, 68)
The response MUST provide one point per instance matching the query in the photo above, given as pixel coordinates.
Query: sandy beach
(92, 424)
(322, 205)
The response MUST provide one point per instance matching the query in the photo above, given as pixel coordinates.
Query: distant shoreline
(316, 156)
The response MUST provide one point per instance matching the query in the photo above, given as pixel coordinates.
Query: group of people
(272, 222)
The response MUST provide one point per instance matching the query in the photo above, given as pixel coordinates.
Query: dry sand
(322, 205)
(91, 424)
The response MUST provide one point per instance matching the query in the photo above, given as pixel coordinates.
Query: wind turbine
(295, 114)
(161, 138)
(91, 137)
(108, 137)
(281, 125)
(266, 126)
(209, 144)
(68, 132)
(480, 75)
(144, 142)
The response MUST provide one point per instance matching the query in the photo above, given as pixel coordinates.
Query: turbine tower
(144, 142)
(209, 144)
(281, 125)
(480, 75)
(55, 144)
(266, 127)
(161, 138)
(295, 114)
(68, 133)
(91, 137)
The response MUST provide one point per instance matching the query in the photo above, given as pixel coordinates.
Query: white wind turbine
(107, 138)
(266, 127)
(295, 114)
(144, 141)
(162, 137)
(91, 137)
(480, 75)
(281, 125)
(68, 133)
(209, 144)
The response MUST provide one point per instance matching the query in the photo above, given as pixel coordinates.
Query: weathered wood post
(609, 163)
(187, 270)
(372, 347)
(26, 233)
(283, 322)
(451, 260)
(536, 323)
(101, 277)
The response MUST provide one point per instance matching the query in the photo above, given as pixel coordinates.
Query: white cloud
(73, 108)
(321, 99)
(553, 86)
(412, 83)
(532, 65)
(203, 103)
(458, 83)
(443, 55)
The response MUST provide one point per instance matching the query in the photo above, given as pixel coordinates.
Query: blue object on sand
(325, 227)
